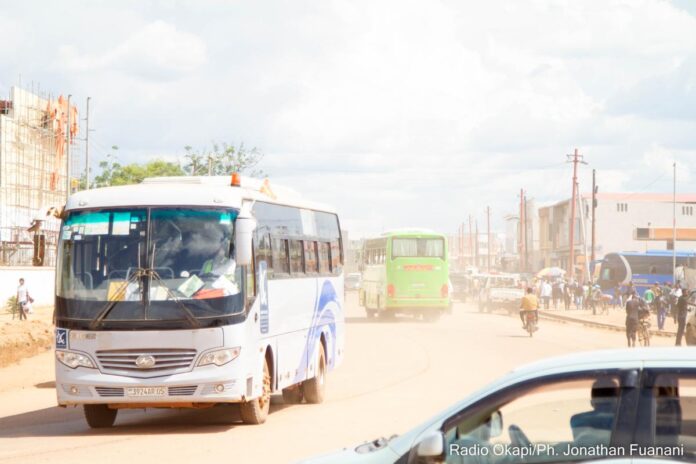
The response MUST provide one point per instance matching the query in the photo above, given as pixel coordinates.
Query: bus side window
(324, 267)
(296, 261)
(335, 257)
(310, 254)
(279, 248)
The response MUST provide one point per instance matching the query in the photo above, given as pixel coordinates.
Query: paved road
(395, 375)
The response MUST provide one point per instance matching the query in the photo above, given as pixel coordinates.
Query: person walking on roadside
(662, 310)
(23, 299)
(674, 300)
(579, 294)
(567, 295)
(682, 309)
(556, 293)
(616, 302)
(546, 291)
(632, 317)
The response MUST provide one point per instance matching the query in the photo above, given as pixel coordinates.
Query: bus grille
(108, 391)
(183, 391)
(167, 361)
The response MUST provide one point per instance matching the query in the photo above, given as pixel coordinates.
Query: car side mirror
(243, 231)
(432, 446)
(496, 424)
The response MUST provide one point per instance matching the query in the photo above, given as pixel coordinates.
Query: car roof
(628, 357)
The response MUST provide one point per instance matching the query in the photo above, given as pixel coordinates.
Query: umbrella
(551, 272)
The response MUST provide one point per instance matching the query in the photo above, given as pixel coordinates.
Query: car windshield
(151, 263)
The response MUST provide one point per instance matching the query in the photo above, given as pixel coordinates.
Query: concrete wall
(39, 280)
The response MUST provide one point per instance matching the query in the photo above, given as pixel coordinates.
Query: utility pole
(674, 224)
(471, 242)
(575, 158)
(87, 145)
(523, 233)
(488, 231)
(476, 243)
(67, 154)
(593, 255)
(526, 236)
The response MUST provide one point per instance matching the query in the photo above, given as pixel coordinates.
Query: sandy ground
(24, 338)
(395, 375)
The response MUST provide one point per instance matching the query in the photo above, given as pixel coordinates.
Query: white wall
(39, 280)
(615, 229)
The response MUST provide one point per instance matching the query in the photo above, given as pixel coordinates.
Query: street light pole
(674, 223)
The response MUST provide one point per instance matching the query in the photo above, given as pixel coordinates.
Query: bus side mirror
(243, 231)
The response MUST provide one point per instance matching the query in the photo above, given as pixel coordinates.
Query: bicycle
(644, 332)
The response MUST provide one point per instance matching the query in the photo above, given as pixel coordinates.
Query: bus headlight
(73, 360)
(219, 357)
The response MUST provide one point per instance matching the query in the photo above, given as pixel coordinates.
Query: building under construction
(34, 130)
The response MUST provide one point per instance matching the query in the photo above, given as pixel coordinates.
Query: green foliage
(11, 305)
(222, 159)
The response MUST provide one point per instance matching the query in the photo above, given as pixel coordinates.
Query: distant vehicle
(575, 408)
(461, 284)
(353, 281)
(643, 269)
(194, 291)
(406, 272)
(501, 291)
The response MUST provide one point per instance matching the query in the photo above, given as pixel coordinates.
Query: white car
(629, 405)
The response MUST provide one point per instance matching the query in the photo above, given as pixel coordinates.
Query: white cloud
(400, 113)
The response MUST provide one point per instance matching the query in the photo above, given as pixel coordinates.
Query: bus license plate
(139, 392)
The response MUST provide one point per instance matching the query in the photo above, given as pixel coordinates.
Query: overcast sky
(401, 113)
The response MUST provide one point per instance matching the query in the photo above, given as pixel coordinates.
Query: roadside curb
(601, 325)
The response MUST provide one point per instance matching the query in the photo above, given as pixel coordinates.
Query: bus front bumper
(200, 387)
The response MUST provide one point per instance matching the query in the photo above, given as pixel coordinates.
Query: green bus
(406, 272)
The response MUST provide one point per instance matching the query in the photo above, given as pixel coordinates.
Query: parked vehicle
(461, 283)
(579, 407)
(501, 291)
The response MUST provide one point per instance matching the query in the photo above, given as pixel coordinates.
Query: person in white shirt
(546, 290)
(23, 299)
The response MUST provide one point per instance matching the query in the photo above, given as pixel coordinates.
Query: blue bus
(643, 269)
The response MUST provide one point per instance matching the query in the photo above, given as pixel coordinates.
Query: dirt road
(394, 376)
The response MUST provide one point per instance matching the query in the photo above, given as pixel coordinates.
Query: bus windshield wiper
(117, 298)
(142, 272)
(187, 312)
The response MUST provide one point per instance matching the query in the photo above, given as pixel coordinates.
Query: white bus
(194, 291)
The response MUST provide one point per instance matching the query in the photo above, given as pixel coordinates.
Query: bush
(11, 305)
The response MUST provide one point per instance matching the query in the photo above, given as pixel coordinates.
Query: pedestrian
(567, 296)
(662, 310)
(681, 315)
(23, 299)
(675, 294)
(617, 297)
(632, 316)
(666, 292)
(546, 291)
(649, 297)
(579, 294)
(556, 293)
(597, 300)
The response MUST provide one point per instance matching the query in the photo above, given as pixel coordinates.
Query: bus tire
(293, 395)
(256, 411)
(314, 387)
(99, 416)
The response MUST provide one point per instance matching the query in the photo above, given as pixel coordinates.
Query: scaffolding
(33, 168)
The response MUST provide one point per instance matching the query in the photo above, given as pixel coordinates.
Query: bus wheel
(314, 387)
(256, 411)
(293, 395)
(99, 416)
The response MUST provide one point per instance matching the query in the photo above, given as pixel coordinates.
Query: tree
(222, 159)
(114, 173)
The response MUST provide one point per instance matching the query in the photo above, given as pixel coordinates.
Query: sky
(398, 113)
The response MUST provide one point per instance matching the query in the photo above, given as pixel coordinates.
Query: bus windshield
(418, 247)
(148, 264)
